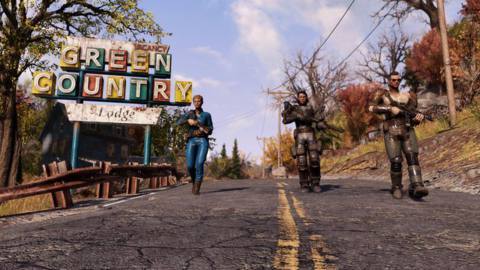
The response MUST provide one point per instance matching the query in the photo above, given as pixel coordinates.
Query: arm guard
(288, 116)
(380, 109)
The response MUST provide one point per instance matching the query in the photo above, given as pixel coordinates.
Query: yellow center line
(317, 243)
(288, 242)
(299, 208)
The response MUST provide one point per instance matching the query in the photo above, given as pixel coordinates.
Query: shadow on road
(227, 190)
(326, 188)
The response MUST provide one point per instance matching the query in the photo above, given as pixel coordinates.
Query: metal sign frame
(80, 66)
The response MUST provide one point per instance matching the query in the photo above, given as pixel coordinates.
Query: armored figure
(306, 149)
(400, 116)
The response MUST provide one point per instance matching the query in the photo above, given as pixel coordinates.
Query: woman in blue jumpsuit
(200, 126)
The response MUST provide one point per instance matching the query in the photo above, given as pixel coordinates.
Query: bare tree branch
(316, 76)
(385, 56)
(400, 9)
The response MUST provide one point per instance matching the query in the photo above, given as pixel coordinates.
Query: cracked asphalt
(255, 224)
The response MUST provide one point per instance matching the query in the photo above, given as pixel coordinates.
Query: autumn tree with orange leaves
(467, 47)
(425, 63)
(271, 151)
(354, 103)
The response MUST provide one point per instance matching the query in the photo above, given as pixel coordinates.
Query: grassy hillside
(450, 158)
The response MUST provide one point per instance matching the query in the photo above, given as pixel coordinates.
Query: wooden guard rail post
(132, 186)
(104, 190)
(61, 198)
(58, 181)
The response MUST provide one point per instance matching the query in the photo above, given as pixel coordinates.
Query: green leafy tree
(223, 153)
(219, 165)
(168, 140)
(31, 29)
(235, 171)
(33, 115)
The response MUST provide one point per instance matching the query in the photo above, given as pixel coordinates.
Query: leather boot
(417, 190)
(304, 185)
(396, 190)
(316, 185)
(315, 173)
(197, 188)
(193, 187)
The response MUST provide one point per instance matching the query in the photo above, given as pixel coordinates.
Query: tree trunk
(10, 141)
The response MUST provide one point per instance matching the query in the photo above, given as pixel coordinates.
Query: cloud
(264, 26)
(322, 16)
(258, 33)
(205, 83)
(208, 51)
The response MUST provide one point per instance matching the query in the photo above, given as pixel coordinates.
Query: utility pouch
(396, 130)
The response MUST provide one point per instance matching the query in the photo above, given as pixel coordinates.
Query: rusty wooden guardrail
(58, 181)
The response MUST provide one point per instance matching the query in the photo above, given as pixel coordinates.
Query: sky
(234, 50)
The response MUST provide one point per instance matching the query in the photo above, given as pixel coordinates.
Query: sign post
(103, 68)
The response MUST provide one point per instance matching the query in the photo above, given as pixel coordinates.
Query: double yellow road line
(288, 243)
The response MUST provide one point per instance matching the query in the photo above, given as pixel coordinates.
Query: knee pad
(314, 160)
(412, 158)
(396, 164)
(302, 163)
(300, 150)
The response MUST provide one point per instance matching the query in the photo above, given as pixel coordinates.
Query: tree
(168, 139)
(271, 152)
(235, 171)
(32, 115)
(218, 167)
(31, 29)
(425, 62)
(385, 56)
(467, 48)
(354, 100)
(318, 77)
(471, 8)
(223, 153)
(400, 9)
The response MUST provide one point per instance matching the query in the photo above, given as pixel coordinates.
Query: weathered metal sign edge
(85, 43)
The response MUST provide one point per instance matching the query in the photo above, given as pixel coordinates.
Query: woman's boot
(197, 187)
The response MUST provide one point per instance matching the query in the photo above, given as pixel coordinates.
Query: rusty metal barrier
(58, 181)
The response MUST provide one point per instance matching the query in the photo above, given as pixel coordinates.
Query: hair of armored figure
(394, 73)
(302, 92)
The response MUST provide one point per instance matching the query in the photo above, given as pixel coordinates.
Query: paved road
(256, 225)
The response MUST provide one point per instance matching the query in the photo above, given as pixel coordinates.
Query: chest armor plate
(401, 98)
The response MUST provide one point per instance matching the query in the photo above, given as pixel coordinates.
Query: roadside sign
(96, 113)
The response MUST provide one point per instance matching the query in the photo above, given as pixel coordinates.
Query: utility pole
(446, 62)
(279, 150)
(279, 95)
(263, 155)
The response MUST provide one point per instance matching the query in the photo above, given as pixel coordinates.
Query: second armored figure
(306, 149)
(400, 115)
